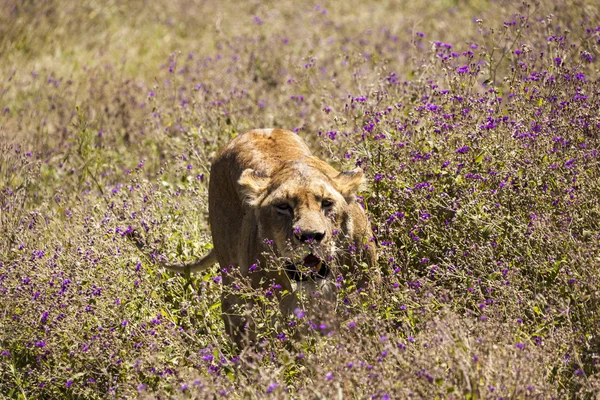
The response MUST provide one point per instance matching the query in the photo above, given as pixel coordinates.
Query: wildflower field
(477, 124)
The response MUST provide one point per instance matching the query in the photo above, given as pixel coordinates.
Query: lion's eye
(283, 207)
(326, 203)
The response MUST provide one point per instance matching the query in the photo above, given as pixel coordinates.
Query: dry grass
(476, 123)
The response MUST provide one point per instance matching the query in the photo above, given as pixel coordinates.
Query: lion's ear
(348, 183)
(252, 183)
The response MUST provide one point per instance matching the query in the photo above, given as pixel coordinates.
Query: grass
(476, 124)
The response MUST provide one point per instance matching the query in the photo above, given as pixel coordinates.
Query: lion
(268, 193)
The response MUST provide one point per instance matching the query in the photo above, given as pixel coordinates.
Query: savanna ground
(476, 123)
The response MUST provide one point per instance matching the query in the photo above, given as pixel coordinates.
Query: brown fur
(253, 175)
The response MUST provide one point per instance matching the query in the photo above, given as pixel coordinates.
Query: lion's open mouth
(312, 268)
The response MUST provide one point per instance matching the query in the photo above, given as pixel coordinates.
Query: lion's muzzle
(312, 268)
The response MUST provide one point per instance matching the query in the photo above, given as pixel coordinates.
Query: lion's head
(303, 207)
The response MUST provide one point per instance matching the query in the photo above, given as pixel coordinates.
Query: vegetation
(476, 123)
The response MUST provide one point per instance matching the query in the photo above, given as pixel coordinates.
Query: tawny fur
(248, 176)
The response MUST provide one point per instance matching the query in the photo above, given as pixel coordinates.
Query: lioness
(267, 192)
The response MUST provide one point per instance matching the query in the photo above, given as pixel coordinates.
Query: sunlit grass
(476, 124)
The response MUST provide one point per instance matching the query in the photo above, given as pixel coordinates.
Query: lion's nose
(308, 236)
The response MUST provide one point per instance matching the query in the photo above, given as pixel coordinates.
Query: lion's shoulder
(263, 150)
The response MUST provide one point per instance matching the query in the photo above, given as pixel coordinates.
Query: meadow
(477, 126)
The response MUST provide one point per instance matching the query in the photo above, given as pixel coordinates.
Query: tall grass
(478, 127)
